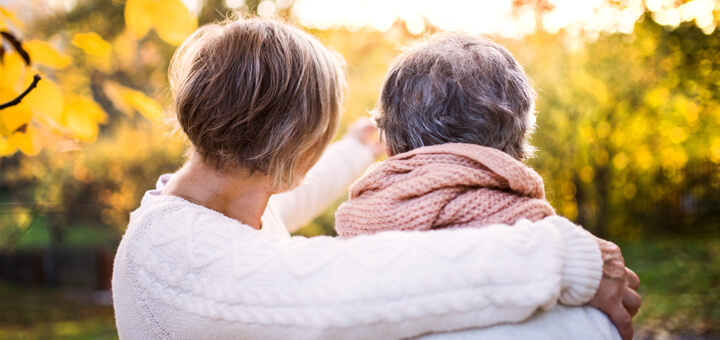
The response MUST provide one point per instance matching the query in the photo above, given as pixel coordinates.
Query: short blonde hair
(259, 95)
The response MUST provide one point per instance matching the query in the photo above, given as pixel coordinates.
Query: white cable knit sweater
(183, 271)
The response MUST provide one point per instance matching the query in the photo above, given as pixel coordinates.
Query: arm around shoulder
(389, 285)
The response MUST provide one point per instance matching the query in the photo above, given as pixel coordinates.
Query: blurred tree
(95, 74)
(627, 128)
(30, 105)
(626, 137)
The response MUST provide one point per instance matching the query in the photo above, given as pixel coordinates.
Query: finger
(623, 322)
(632, 279)
(631, 301)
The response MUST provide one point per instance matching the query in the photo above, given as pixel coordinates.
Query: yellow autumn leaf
(13, 117)
(92, 109)
(137, 17)
(114, 92)
(173, 21)
(82, 129)
(4, 131)
(43, 53)
(46, 100)
(28, 142)
(6, 94)
(128, 100)
(91, 43)
(6, 147)
(147, 106)
(12, 71)
(82, 116)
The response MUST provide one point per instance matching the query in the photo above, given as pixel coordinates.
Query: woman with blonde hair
(208, 254)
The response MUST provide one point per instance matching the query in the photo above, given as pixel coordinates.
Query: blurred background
(628, 133)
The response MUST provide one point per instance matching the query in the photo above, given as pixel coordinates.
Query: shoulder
(561, 322)
(171, 243)
(173, 232)
(175, 253)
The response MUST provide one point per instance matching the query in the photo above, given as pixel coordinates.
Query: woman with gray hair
(455, 113)
(208, 255)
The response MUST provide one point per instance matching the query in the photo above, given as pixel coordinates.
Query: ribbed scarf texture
(442, 186)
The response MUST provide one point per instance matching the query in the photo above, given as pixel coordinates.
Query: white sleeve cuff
(582, 270)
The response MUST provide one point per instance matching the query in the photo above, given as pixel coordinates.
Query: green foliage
(627, 129)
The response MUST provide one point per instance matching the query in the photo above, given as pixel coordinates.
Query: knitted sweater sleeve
(341, 164)
(181, 273)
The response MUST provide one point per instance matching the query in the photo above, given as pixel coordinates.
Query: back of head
(457, 88)
(257, 95)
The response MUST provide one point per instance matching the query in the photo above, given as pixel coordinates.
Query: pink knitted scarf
(442, 186)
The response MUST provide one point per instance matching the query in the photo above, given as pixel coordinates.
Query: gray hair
(457, 88)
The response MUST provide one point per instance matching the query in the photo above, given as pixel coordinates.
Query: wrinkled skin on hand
(617, 294)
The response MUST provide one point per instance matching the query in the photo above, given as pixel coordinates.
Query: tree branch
(15, 42)
(19, 98)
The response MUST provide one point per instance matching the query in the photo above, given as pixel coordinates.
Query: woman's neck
(235, 194)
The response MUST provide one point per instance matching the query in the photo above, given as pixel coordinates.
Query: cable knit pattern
(184, 271)
(449, 185)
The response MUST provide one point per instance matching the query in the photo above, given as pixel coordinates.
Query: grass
(680, 285)
(680, 289)
(43, 313)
